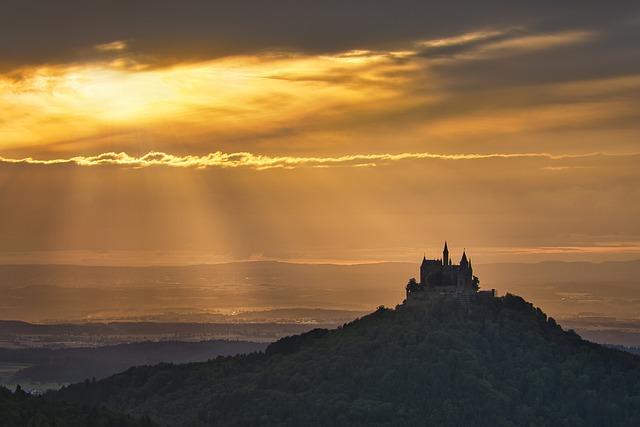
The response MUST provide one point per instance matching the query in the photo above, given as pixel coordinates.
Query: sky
(165, 132)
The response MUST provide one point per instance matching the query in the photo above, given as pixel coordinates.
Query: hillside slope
(495, 362)
(21, 409)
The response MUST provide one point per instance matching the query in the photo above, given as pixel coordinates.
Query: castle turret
(445, 254)
(464, 263)
(423, 270)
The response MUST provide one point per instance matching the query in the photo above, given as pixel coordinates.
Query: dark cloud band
(166, 31)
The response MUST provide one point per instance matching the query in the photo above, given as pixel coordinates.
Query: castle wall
(460, 293)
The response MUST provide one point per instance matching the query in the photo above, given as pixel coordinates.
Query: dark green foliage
(293, 343)
(20, 409)
(498, 362)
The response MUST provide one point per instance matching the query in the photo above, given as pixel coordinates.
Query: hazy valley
(600, 299)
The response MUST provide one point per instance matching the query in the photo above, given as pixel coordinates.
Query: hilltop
(497, 361)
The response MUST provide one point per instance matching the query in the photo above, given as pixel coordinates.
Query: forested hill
(495, 362)
(19, 409)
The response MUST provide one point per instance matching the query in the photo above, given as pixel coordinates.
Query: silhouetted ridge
(288, 345)
(497, 361)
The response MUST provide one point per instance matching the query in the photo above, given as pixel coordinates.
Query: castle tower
(463, 261)
(445, 255)
(423, 271)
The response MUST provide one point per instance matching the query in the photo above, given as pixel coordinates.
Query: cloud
(117, 45)
(536, 42)
(216, 97)
(263, 162)
(503, 122)
(461, 43)
(348, 99)
(167, 32)
(281, 206)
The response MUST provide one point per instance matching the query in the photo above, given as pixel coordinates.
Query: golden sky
(316, 132)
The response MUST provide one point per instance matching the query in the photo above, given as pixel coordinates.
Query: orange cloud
(321, 98)
(262, 162)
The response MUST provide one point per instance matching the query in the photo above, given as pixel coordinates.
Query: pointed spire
(463, 260)
(445, 254)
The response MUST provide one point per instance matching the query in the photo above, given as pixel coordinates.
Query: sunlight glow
(48, 104)
(235, 97)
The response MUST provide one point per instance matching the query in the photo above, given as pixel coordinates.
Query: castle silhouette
(440, 277)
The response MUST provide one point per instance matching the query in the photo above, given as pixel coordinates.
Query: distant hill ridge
(67, 365)
(493, 362)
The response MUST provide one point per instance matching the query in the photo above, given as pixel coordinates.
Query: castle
(440, 277)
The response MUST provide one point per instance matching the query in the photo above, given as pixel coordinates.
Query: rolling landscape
(599, 297)
(507, 361)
